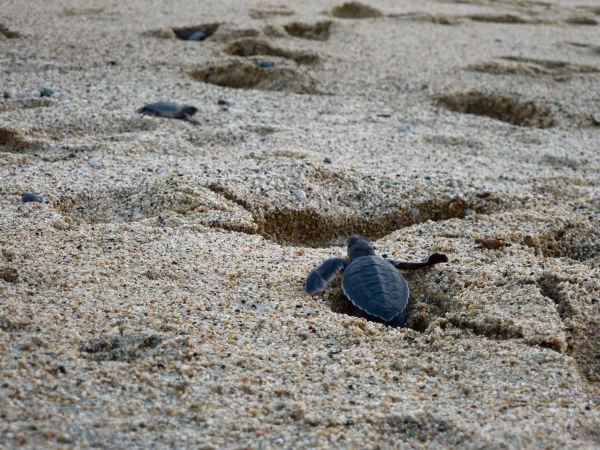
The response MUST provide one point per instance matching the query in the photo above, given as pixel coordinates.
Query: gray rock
(46, 92)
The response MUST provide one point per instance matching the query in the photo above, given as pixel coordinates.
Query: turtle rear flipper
(319, 278)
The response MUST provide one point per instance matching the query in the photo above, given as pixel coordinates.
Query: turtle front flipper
(433, 259)
(319, 278)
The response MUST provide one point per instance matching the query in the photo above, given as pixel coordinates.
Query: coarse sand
(151, 292)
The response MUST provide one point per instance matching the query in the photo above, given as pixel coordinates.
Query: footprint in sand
(515, 65)
(355, 10)
(261, 47)
(8, 33)
(506, 108)
(250, 75)
(195, 33)
(318, 31)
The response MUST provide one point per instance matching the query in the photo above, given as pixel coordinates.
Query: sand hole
(509, 109)
(122, 348)
(8, 33)
(191, 33)
(197, 32)
(245, 75)
(319, 31)
(257, 47)
(355, 10)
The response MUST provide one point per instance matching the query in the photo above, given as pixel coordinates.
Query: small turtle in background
(373, 284)
(170, 110)
(28, 197)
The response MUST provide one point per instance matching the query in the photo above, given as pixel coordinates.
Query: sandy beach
(151, 289)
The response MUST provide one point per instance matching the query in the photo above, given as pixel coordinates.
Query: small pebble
(196, 36)
(266, 64)
(46, 92)
(31, 197)
(96, 163)
(299, 193)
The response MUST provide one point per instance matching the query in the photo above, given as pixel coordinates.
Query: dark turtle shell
(168, 109)
(375, 286)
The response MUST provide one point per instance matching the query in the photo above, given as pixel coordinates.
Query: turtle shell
(375, 286)
(168, 109)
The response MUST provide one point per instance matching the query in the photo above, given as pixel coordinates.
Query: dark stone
(263, 64)
(196, 36)
(46, 92)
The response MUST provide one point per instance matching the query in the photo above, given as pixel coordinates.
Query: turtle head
(359, 246)
(188, 110)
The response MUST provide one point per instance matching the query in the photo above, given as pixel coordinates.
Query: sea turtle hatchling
(372, 283)
(170, 110)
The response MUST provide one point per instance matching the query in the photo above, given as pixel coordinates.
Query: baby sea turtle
(373, 284)
(170, 110)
